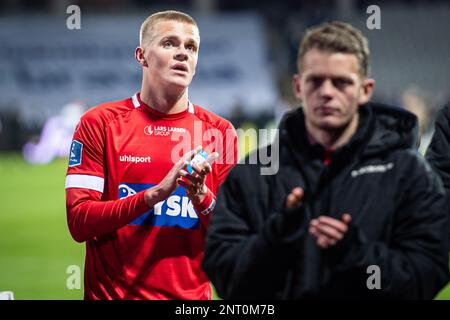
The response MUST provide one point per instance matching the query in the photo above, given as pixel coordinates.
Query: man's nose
(326, 89)
(181, 54)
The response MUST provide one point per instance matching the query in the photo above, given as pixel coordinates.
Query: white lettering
(74, 279)
(187, 310)
(188, 209)
(173, 204)
(134, 159)
(374, 281)
(74, 20)
(157, 208)
(380, 168)
(374, 20)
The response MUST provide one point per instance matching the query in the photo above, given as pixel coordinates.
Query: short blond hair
(147, 27)
(334, 37)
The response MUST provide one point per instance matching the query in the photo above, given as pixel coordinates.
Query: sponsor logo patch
(162, 130)
(176, 211)
(378, 168)
(76, 150)
(135, 159)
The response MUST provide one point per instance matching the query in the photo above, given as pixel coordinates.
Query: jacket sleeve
(414, 264)
(438, 153)
(245, 255)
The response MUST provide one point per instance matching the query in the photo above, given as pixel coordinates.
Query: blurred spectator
(56, 136)
(438, 154)
(11, 129)
(286, 100)
(414, 101)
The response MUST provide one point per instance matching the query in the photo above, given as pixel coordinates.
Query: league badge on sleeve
(75, 153)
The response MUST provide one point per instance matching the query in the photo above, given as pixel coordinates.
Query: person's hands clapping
(194, 182)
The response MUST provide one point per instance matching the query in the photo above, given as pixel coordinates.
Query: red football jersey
(120, 149)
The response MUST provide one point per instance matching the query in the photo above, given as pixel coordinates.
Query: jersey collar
(137, 103)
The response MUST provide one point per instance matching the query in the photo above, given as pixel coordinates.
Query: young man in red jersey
(129, 194)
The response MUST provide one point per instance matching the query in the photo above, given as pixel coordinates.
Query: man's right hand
(295, 198)
(168, 185)
(329, 231)
(288, 226)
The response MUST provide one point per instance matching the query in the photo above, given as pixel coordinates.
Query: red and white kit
(119, 150)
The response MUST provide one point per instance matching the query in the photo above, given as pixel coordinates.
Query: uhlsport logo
(135, 159)
(175, 211)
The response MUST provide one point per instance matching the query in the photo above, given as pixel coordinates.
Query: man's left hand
(328, 231)
(194, 182)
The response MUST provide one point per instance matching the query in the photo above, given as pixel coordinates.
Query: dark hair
(336, 36)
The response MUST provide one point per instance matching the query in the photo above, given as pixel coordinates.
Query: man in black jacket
(353, 211)
(438, 153)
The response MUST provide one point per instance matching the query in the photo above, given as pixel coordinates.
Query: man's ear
(367, 87)
(296, 86)
(139, 56)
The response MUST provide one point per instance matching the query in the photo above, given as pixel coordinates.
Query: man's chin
(331, 125)
(179, 83)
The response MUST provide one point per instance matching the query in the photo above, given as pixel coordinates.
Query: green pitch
(36, 249)
(35, 245)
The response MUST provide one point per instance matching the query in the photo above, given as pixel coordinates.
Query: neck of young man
(333, 138)
(168, 100)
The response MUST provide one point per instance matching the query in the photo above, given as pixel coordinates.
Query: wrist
(345, 247)
(152, 196)
(207, 203)
(200, 197)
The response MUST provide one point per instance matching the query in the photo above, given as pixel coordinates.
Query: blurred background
(50, 75)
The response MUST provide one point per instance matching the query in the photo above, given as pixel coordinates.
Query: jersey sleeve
(87, 153)
(87, 214)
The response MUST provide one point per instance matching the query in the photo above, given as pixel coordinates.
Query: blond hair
(334, 37)
(147, 27)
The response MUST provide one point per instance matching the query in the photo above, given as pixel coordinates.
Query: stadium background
(49, 74)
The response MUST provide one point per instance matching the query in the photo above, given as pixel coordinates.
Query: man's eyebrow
(343, 78)
(192, 41)
(336, 77)
(315, 75)
(170, 37)
(174, 37)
